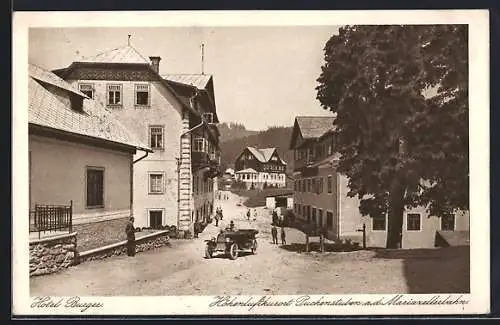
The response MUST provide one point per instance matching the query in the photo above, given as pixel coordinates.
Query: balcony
(200, 158)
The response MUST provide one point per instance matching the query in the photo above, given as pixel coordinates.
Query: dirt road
(182, 269)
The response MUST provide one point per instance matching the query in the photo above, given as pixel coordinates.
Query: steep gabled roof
(47, 110)
(314, 126)
(311, 128)
(263, 155)
(199, 81)
(124, 54)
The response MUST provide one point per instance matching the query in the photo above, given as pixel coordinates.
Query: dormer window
(114, 95)
(208, 117)
(142, 95)
(87, 89)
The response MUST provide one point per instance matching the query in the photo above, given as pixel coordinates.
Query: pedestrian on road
(130, 231)
(283, 236)
(248, 214)
(254, 214)
(217, 219)
(274, 233)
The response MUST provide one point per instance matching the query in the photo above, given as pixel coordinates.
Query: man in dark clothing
(274, 233)
(283, 235)
(130, 231)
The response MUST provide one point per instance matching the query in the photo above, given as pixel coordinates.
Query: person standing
(248, 214)
(130, 231)
(283, 236)
(254, 214)
(274, 233)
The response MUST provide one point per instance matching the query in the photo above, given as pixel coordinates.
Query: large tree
(400, 95)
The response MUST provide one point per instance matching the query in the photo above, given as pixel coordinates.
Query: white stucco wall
(58, 175)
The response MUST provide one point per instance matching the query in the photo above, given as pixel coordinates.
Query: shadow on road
(443, 270)
(315, 247)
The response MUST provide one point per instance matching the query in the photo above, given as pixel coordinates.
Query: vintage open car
(232, 242)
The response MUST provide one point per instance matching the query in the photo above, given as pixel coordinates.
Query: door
(155, 219)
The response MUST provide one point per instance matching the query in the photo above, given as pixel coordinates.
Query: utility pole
(202, 58)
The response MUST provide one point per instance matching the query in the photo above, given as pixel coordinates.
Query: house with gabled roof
(79, 155)
(176, 115)
(320, 196)
(260, 168)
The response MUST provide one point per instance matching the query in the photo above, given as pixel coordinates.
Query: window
(87, 89)
(295, 186)
(379, 222)
(156, 183)
(330, 183)
(413, 222)
(314, 215)
(95, 187)
(142, 95)
(304, 185)
(199, 144)
(329, 219)
(309, 185)
(155, 219)
(314, 185)
(114, 95)
(304, 211)
(320, 217)
(208, 118)
(448, 222)
(156, 137)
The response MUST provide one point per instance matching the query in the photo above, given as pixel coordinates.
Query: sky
(263, 76)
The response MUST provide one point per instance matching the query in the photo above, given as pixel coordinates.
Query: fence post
(70, 216)
(364, 236)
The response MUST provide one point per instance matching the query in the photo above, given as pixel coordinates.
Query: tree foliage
(400, 95)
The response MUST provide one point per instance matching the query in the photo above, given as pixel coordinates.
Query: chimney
(155, 63)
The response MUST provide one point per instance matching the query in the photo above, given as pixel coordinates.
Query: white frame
(107, 94)
(162, 210)
(162, 182)
(386, 222)
(87, 168)
(406, 221)
(135, 95)
(87, 84)
(162, 136)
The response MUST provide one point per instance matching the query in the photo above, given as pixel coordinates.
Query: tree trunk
(395, 217)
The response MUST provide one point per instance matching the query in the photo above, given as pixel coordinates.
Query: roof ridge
(102, 52)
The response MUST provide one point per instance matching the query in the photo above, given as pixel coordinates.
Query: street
(182, 269)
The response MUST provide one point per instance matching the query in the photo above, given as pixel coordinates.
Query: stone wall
(144, 243)
(50, 255)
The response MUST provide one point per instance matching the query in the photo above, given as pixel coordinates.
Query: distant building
(260, 168)
(176, 115)
(229, 172)
(77, 152)
(321, 195)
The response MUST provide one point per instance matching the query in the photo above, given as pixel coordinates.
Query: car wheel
(254, 247)
(208, 251)
(233, 251)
